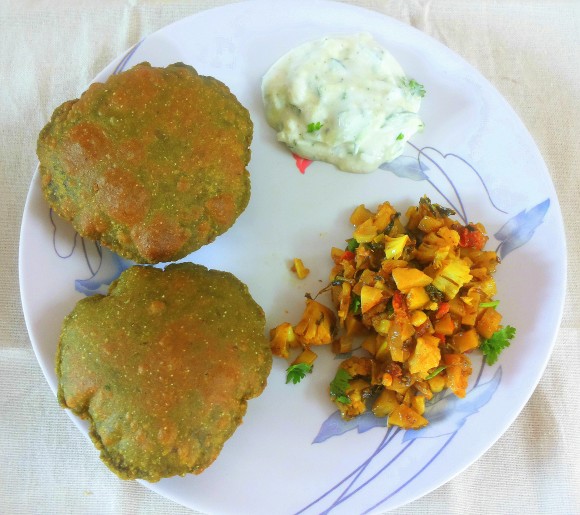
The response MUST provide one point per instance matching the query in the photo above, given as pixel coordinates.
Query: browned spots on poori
(143, 151)
(162, 367)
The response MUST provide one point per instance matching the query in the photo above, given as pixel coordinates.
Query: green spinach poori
(162, 367)
(151, 163)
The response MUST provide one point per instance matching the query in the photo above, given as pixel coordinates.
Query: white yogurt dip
(343, 100)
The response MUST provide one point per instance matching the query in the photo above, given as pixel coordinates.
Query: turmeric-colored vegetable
(299, 268)
(281, 339)
(407, 418)
(408, 278)
(413, 298)
(317, 324)
(488, 322)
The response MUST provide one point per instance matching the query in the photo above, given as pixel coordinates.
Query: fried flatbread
(151, 163)
(162, 367)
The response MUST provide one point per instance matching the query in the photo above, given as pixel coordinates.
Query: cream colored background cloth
(529, 50)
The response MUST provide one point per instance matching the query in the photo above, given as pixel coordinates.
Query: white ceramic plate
(292, 454)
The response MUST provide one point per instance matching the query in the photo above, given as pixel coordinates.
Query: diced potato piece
(282, 338)
(382, 348)
(424, 390)
(336, 254)
(398, 386)
(488, 322)
(367, 277)
(381, 325)
(299, 268)
(426, 355)
(356, 392)
(406, 418)
(450, 236)
(342, 344)
(385, 213)
(365, 232)
(370, 297)
(317, 324)
(357, 366)
(479, 273)
(344, 299)
(398, 333)
(407, 278)
(359, 215)
(370, 344)
(445, 325)
(417, 297)
(377, 372)
(418, 318)
(430, 224)
(306, 356)
(385, 403)
(437, 383)
(488, 287)
(429, 247)
(353, 326)
(470, 307)
(397, 351)
(388, 265)
(407, 330)
(387, 379)
(457, 373)
(465, 341)
(457, 307)
(418, 404)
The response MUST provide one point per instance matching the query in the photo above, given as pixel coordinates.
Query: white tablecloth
(528, 49)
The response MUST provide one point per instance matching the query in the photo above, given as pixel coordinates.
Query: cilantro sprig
(436, 372)
(297, 372)
(339, 385)
(314, 126)
(414, 87)
(490, 304)
(355, 304)
(500, 340)
(351, 245)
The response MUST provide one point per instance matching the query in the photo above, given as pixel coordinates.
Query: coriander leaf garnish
(414, 87)
(400, 136)
(492, 347)
(351, 245)
(436, 372)
(491, 304)
(436, 209)
(297, 372)
(313, 127)
(339, 385)
(355, 304)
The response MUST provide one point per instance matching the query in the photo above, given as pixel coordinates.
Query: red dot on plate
(302, 163)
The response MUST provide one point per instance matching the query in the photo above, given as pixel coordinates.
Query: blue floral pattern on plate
(446, 413)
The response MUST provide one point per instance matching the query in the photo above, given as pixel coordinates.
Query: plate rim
(491, 89)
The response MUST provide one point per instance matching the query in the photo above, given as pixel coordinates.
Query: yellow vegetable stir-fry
(418, 296)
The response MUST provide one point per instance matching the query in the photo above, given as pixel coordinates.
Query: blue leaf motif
(110, 268)
(519, 229)
(448, 415)
(335, 425)
(407, 168)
